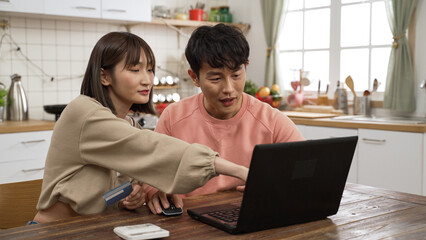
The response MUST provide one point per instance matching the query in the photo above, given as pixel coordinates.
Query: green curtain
(273, 19)
(399, 93)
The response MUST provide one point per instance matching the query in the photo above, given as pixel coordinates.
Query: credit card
(118, 193)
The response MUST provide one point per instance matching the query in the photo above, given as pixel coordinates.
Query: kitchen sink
(402, 120)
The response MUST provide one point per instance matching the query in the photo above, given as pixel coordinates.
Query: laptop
(288, 183)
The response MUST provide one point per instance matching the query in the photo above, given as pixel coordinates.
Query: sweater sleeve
(163, 125)
(166, 163)
(285, 130)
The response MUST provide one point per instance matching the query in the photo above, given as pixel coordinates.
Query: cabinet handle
(8, 1)
(374, 140)
(34, 141)
(85, 8)
(32, 169)
(116, 10)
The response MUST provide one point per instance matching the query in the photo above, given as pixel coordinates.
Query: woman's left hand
(135, 199)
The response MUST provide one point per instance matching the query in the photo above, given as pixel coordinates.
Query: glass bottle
(225, 15)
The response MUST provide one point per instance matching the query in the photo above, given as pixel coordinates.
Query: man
(222, 116)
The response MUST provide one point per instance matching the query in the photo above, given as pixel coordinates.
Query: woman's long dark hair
(107, 53)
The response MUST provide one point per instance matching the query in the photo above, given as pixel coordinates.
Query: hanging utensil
(375, 85)
(350, 83)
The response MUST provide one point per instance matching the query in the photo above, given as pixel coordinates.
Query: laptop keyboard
(229, 215)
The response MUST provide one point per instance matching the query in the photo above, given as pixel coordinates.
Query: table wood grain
(364, 213)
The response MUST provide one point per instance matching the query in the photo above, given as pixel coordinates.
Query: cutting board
(309, 114)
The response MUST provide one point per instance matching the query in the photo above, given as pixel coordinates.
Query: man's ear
(105, 78)
(193, 77)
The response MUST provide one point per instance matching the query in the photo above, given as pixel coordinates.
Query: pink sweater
(234, 139)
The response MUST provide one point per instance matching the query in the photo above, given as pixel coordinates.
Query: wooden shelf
(166, 87)
(190, 23)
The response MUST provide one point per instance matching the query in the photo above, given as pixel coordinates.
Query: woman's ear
(105, 78)
(193, 77)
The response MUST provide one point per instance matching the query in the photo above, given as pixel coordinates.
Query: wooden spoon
(350, 83)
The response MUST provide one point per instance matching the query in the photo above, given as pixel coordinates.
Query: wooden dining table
(364, 213)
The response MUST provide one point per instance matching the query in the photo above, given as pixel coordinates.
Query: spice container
(225, 15)
(214, 15)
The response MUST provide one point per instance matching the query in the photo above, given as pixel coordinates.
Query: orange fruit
(276, 88)
(264, 91)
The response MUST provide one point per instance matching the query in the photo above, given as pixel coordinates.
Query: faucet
(423, 84)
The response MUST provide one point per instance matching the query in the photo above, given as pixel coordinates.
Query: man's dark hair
(219, 46)
(107, 53)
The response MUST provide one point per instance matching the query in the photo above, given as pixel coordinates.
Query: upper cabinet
(22, 6)
(74, 8)
(123, 10)
(131, 10)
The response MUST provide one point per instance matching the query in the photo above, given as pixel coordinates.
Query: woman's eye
(134, 70)
(150, 70)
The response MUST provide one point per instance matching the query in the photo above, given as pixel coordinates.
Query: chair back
(18, 202)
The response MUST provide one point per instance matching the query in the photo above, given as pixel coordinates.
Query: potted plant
(3, 93)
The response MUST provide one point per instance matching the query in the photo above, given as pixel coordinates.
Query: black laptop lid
(295, 182)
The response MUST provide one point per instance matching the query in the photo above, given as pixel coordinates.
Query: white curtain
(273, 12)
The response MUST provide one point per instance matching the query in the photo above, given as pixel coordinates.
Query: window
(332, 39)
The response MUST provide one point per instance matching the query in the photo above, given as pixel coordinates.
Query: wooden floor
(365, 213)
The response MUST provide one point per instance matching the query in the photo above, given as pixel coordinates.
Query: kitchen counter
(25, 126)
(323, 120)
(328, 121)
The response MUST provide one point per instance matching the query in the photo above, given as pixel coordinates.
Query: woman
(94, 140)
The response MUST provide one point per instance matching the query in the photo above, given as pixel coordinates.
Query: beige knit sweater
(90, 145)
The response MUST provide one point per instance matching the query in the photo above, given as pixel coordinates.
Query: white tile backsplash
(76, 38)
(64, 68)
(33, 36)
(35, 83)
(19, 34)
(17, 22)
(48, 36)
(47, 24)
(34, 51)
(48, 52)
(76, 26)
(63, 52)
(63, 25)
(20, 67)
(33, 23)
(63, 37)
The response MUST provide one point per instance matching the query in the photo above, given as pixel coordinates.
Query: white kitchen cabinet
(314, 132)
(23, 155)
(73, 8)
(302, 129)
(390, 159)
(131, 10)
(22, 6)
(424, 164)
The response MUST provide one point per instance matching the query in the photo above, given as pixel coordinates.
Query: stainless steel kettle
(17, 103)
